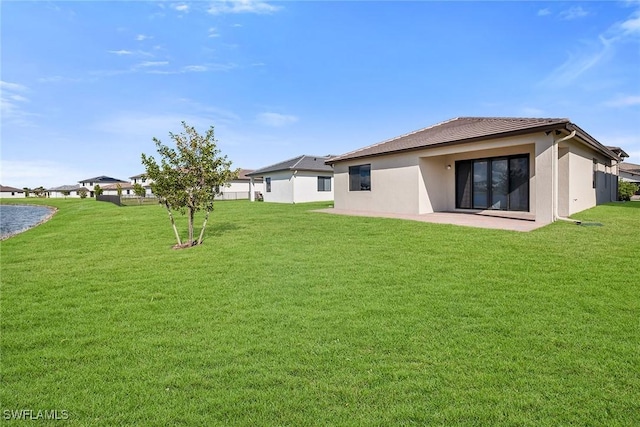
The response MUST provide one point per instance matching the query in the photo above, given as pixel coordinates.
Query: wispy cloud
(573, 13)
(181, 7)
(213, 32)
(195, 68)
(142, 37)
(241, 6)
(624, 101)
(276, 119)
(595, 52)
(544, 12)
(151, 64)
(121, 52)
(11, 99)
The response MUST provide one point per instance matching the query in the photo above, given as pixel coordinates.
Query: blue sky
(87, 85)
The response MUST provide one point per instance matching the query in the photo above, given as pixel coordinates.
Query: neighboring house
(538, 169)
(112, 189)
(142, 180)
(102, 180)
(72, 190)
(298, 180)
(241, 187)
(7, 192)
(630, 172)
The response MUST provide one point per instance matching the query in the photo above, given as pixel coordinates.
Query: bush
(626, 189)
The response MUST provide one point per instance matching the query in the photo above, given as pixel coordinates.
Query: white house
(7, 192)
(297, 180)
(65, 191)
(102, 180)
(630, 172)
(240, 187)
(537, 169)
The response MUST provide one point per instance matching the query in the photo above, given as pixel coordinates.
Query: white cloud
(195, 68)
(573, 13)
(35, 173)
(19, 98)
(276, 119)
(12, 86)
(544, 12)
(142, 37)
(121, 52)
(624, 101)
(213, 32)
(181, 7)
(11, 96)
(241, 6)
(151, 64)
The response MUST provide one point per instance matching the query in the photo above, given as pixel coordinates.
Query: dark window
(500, 183)
(324, 183)
(360, 178)
(595, 173)
(267, 182)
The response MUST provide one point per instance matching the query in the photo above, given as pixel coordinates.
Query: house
(630, 172)
(527, 168)
(11, 192)
(65, 191)
(240, 188)
(112, 189)
(102, 180)
(297, 180)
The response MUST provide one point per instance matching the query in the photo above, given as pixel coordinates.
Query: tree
(83, 194)
(119, 189)
(65, 193)
(39, 191)
(97, 190)
(139, 191)
(189, 177)
(27, 190)
(626, 189)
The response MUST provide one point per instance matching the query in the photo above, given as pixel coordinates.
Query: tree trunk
(173, 223)
(206, 218)
(191, 214)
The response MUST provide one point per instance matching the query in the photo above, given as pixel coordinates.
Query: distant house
(529, 168)
(298, 180)
(65, 191)
(7, 192)
(631, 173)
(102, 180)
(240, 188)
(112, 189)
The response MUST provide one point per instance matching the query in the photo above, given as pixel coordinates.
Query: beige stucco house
(298, 180)
(65, 191)
(536, 169)
(240, 188)
(11, 192)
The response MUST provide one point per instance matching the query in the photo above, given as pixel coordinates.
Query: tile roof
(75, 187)
(469, 129)
(303, 162)
(102, 179)
(630, 168)
(6, 188)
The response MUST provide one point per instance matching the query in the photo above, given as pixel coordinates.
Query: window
(324, 183)
(499, 183)
(360, 178)
(267, 182)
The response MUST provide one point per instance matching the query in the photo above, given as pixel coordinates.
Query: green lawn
(290, 317)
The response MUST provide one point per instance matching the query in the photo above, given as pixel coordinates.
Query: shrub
(626, 189)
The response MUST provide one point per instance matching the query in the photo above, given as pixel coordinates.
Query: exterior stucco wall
(281, 187)
(15, 195)
(394, 185)
(305, 187)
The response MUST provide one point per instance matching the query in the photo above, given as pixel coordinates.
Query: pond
(17, 218)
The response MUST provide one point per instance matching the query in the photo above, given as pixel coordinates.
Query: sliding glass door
(500, 183)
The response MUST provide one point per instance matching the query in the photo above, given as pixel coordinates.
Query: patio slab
(454, 218)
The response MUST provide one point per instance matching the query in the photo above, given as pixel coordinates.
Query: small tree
(97, 190)
(119, 189)
(188, 176)
(65, 193)
(27, 190)
(139, 191)
(626, 189)
(39, 191)
(83, 194)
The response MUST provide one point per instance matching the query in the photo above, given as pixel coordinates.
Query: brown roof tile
(467, 129)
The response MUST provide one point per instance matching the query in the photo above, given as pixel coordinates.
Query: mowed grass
(290, 317)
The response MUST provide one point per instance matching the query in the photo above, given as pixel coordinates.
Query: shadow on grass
(634, 204)
(219, 229)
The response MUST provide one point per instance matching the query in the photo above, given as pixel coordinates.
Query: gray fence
(113, 199)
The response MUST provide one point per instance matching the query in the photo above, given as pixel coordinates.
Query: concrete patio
(478, 220)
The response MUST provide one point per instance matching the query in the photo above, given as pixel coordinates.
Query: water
(17, 218)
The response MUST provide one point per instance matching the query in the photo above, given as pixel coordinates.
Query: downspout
(554, 161)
